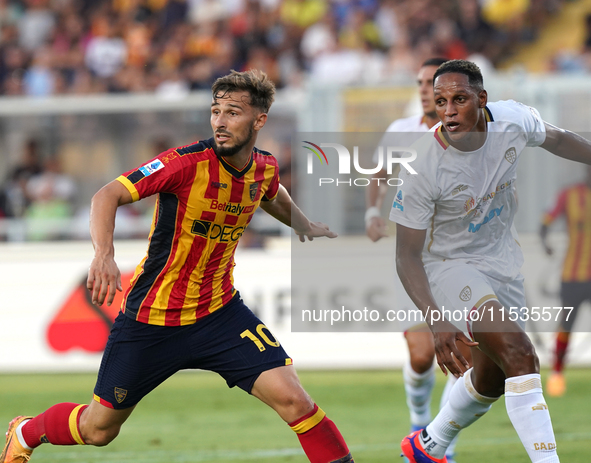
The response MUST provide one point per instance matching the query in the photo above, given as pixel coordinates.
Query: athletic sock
(58, 425)
(464, 407)
(529, 414)
(321, 440)
(449, 384)
(560, 352)
(418, 387)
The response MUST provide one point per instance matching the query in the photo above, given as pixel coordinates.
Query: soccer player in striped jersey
(419, 371)
(182, 310)
(574, 203)
(457, 250)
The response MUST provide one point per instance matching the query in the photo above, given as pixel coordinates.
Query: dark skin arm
(567, 145)
(409, 248)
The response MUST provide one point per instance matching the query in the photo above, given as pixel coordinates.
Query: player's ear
(259, 121)
(482, 98)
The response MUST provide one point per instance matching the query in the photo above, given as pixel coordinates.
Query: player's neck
(241, 158)
(430, 120)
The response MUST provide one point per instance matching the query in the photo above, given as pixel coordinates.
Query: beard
(229, 151)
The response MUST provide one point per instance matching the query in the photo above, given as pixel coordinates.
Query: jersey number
(248, 334)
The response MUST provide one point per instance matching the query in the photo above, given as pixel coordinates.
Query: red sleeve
(558, 210)
(165, 173)
(273, 186)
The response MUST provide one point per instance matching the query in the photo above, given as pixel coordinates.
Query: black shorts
(573, 294)
(231, 341)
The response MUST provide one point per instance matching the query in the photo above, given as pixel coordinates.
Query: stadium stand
(174, 46)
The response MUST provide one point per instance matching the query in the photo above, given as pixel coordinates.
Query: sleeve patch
(151, 167)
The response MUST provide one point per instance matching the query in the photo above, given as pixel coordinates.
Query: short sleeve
(273, 187)
(164, 173)
(414, 203)
(533, 126)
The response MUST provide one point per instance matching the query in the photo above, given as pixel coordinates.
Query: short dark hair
(260, 88)
(434, 62)
(461, 66)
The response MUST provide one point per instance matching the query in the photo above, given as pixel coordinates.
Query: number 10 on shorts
(248, 334)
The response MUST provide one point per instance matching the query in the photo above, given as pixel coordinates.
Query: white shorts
(459, 289)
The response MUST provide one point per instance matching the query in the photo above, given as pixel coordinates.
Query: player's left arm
(286, 211)
(567, 144)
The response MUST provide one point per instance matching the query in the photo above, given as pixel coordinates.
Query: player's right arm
(375, 225)
(104, 278)
(409, 248)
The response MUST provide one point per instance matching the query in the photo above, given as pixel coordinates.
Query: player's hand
(315, 230)
(104, 279)
(549, 251)
(375, 229)
(448, 355)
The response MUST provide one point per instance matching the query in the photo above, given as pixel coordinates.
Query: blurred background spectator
(50, 47)
(170, 48)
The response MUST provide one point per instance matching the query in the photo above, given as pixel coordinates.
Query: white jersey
(466, 200)
(409, 124)
(412, 127)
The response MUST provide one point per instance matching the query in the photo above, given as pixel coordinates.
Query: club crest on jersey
(466, 294)
(253, 190)
(151, 167)
(511, 155)
(120, 394)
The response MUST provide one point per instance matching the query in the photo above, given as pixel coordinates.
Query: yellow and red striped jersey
(575, 204)
(204, 205)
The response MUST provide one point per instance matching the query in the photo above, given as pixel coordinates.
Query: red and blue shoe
(413, 450)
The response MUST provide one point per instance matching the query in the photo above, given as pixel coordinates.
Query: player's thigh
(138, 357)
(236, 344)
(421, 348)
(505, 342)
(459, 290)
(280, 388)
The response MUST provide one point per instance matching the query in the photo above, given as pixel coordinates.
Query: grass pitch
(194, 417)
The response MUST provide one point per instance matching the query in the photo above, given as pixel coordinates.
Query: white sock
(529, 414)
(19, 435)
(463, 408)
(449, 384)
(418, 387)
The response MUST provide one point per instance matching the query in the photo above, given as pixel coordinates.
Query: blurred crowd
(171, 47)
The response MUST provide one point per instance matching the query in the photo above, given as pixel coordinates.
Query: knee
(421, 360)
(521, 358)
(100, 437)
(292, 405)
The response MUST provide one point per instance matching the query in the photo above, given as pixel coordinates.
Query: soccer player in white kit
(419, 370)
(457, 251)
